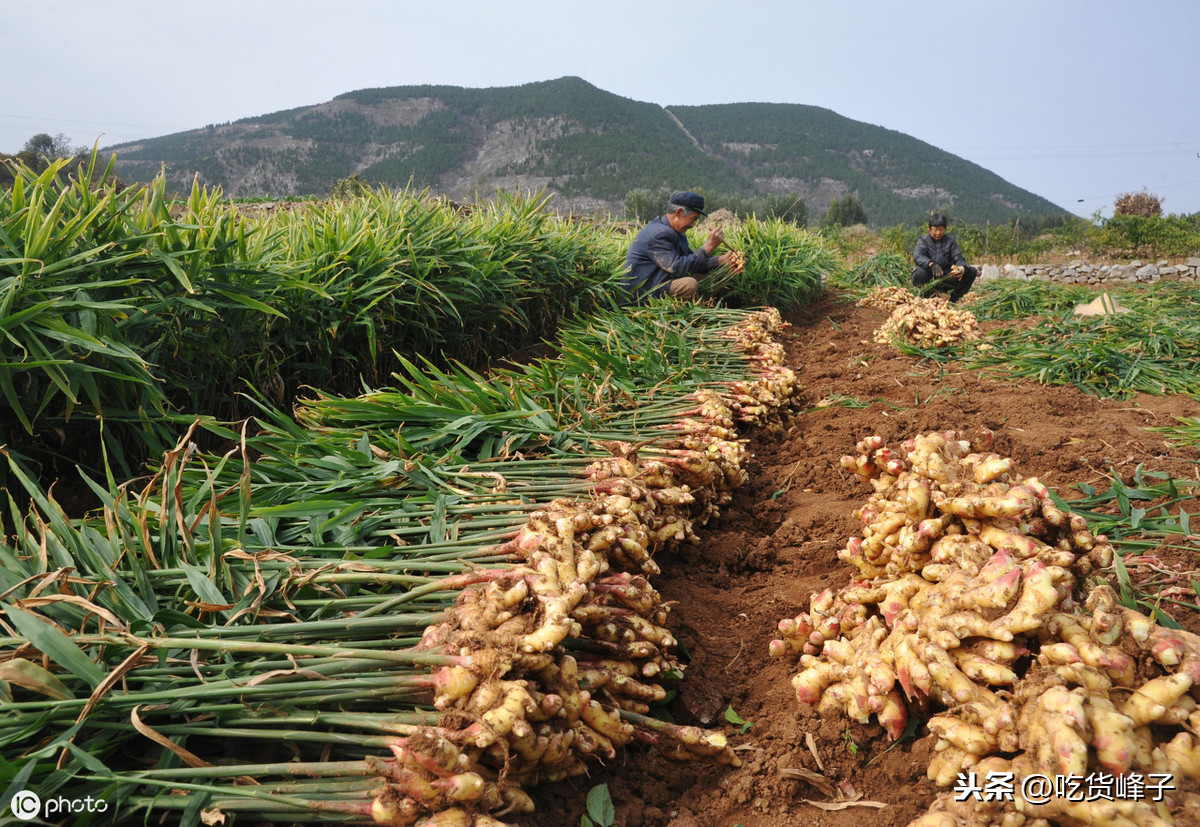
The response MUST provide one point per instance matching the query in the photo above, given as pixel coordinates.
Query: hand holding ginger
(734, 260)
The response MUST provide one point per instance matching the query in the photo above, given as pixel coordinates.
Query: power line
(1084, 146)
(90, 123)
(1162, 187)
(1078, 156)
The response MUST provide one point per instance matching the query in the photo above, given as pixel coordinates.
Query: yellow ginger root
(948, 762)
(1108, 659)
(1150, 702)
(828, 617)
(1112, 734)
(970, 738)
(932, 322)
(1010, 505)
(888, 298)
(1052, 730)
(1107, 619)
(453, 817)
(1178, 757)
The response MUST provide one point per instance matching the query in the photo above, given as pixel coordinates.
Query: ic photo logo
(26, 806)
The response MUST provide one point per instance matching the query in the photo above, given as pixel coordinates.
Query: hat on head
(689, 201)
(937, 220)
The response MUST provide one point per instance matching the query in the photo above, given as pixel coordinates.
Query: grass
(886, 269)
(1143, 519)
(1148, 350)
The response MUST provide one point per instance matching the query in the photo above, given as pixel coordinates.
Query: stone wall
(1088, 272)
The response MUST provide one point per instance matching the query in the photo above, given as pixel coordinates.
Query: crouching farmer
(941, 265)
(660, 260)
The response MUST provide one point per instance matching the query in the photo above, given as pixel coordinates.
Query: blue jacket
(659, 254)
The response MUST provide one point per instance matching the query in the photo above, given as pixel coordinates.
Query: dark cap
(689, 201)
(937, 220)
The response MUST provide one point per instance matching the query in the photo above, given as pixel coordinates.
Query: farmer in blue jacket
(941, 265)
(660, 260)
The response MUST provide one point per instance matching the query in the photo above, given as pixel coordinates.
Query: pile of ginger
(978, 606)
(558, 658)
(925, 322)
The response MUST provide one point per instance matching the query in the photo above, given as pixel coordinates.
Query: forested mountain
(588, 146)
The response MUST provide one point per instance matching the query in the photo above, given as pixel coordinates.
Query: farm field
(776, 545)
(433, 529)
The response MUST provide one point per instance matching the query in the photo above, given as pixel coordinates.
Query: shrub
(643, 204)
(789, 207)
(1139, 235)
(844, 212)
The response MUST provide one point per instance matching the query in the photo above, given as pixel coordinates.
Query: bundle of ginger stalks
(349, 628)
(925, 322)
(565, 651)
(978, 603)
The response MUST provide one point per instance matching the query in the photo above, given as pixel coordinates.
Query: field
(383, 510)
(775, 546)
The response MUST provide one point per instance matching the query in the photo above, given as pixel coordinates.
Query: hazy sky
(1078, 101)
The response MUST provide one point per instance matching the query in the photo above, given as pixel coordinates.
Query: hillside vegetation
(586, 147)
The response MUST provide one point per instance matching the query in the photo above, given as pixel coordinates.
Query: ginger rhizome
(559, 657)
(977, 605)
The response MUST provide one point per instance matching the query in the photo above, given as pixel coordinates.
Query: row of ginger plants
(407, 607)
(127, 312)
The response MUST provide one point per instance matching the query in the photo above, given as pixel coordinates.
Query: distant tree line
(43, 149)
(643, 204)
(38, 153)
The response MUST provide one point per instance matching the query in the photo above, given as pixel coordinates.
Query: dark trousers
(923, 277)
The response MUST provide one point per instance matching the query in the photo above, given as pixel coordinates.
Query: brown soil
(776, 545)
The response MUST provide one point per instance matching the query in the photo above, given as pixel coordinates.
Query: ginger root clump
(976, 603)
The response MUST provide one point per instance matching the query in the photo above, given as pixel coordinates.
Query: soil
(776, 545)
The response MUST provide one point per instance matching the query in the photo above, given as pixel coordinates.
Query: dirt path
(776, 545)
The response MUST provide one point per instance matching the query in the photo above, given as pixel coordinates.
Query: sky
(1078, 101)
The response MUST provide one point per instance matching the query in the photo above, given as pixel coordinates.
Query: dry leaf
(820, 782)
(278, 673)
(812, 747)
(210, 607)
(75, 600)
(827, 805)
(187, 757)
(27, 674)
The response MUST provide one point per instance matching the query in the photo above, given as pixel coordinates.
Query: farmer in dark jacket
(660, 260)
(940, 263)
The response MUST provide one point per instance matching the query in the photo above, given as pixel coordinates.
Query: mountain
(588, 146)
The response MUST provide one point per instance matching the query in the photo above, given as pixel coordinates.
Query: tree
(845, 212)
(350, 188)
(643, 204)
(789, 207)
(43, 149)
